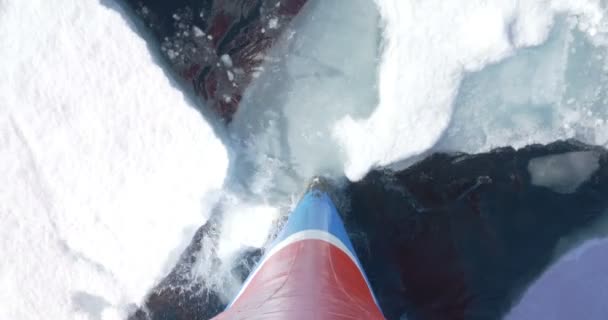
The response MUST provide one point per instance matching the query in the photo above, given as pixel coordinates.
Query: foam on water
(106, 171)
(429, 46)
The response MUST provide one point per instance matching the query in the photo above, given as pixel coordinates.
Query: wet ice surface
(282, 128)
(427, 56)
(555, 90)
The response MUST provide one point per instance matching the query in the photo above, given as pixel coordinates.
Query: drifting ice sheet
(428, 48)
(105, 170)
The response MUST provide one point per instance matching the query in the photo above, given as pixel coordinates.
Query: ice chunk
(563, 173)
(273, 23)
(226, 60)
(197, 31)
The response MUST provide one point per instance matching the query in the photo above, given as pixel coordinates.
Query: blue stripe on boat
(315, 211)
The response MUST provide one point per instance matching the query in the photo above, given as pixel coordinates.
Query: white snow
(106, 170)
(563, 173)
(429, 45)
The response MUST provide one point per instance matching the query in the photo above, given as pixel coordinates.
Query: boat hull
(311, 271)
